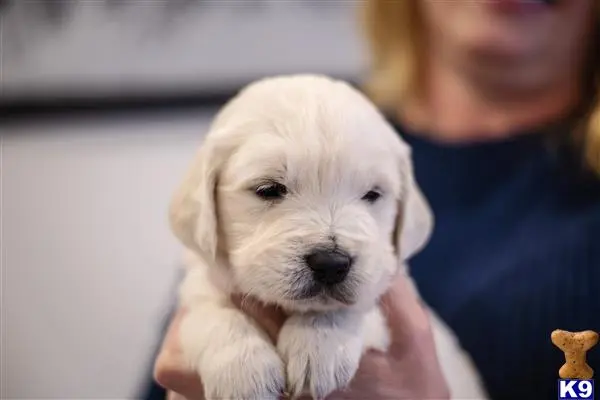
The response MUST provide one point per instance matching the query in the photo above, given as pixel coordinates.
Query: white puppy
(303, 196)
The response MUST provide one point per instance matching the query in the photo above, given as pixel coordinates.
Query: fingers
(381, 376)
(175, 396)
(406, 314)
(376, 379)
(170, 370)
(413, 348)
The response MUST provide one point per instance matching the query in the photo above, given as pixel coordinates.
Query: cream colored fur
(329, 146)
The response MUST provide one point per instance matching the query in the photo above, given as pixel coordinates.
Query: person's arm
(410, 369)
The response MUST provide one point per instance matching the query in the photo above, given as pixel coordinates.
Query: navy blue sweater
(515, 254)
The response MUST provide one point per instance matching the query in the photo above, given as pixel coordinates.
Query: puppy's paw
(321, 352)
(376, 334)
(248, 369)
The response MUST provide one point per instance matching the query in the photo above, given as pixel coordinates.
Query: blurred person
(500, 101)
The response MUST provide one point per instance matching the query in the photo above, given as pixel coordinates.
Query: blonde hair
(393, 32)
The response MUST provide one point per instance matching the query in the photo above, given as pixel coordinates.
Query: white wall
(88, 264)
(210, 44)
(88, 261)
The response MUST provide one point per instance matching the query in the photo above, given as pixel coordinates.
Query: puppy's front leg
(321, 350)
(234, 358)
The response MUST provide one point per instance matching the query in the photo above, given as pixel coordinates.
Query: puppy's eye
(371, 196)
(271, 191)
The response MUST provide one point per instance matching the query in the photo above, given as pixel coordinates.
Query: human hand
(409, 370)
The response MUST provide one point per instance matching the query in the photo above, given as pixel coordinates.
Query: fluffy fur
(329, 146)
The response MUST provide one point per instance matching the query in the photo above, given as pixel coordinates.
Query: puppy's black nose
(329, 266)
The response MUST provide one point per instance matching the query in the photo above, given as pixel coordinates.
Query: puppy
(301, 196)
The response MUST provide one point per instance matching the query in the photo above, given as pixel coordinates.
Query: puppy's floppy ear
(193, 209)
(415, 218)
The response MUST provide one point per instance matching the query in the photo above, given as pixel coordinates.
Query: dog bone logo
(575, 346)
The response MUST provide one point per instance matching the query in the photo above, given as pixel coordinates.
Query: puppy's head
(305, 194)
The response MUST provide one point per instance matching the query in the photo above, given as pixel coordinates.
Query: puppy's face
(308, 218)
(307, 202)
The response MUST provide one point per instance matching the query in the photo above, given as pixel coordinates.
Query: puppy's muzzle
(329, 267)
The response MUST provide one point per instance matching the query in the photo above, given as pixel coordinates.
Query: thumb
(406, 315)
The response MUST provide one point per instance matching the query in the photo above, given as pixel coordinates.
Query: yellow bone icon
(575, 346)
